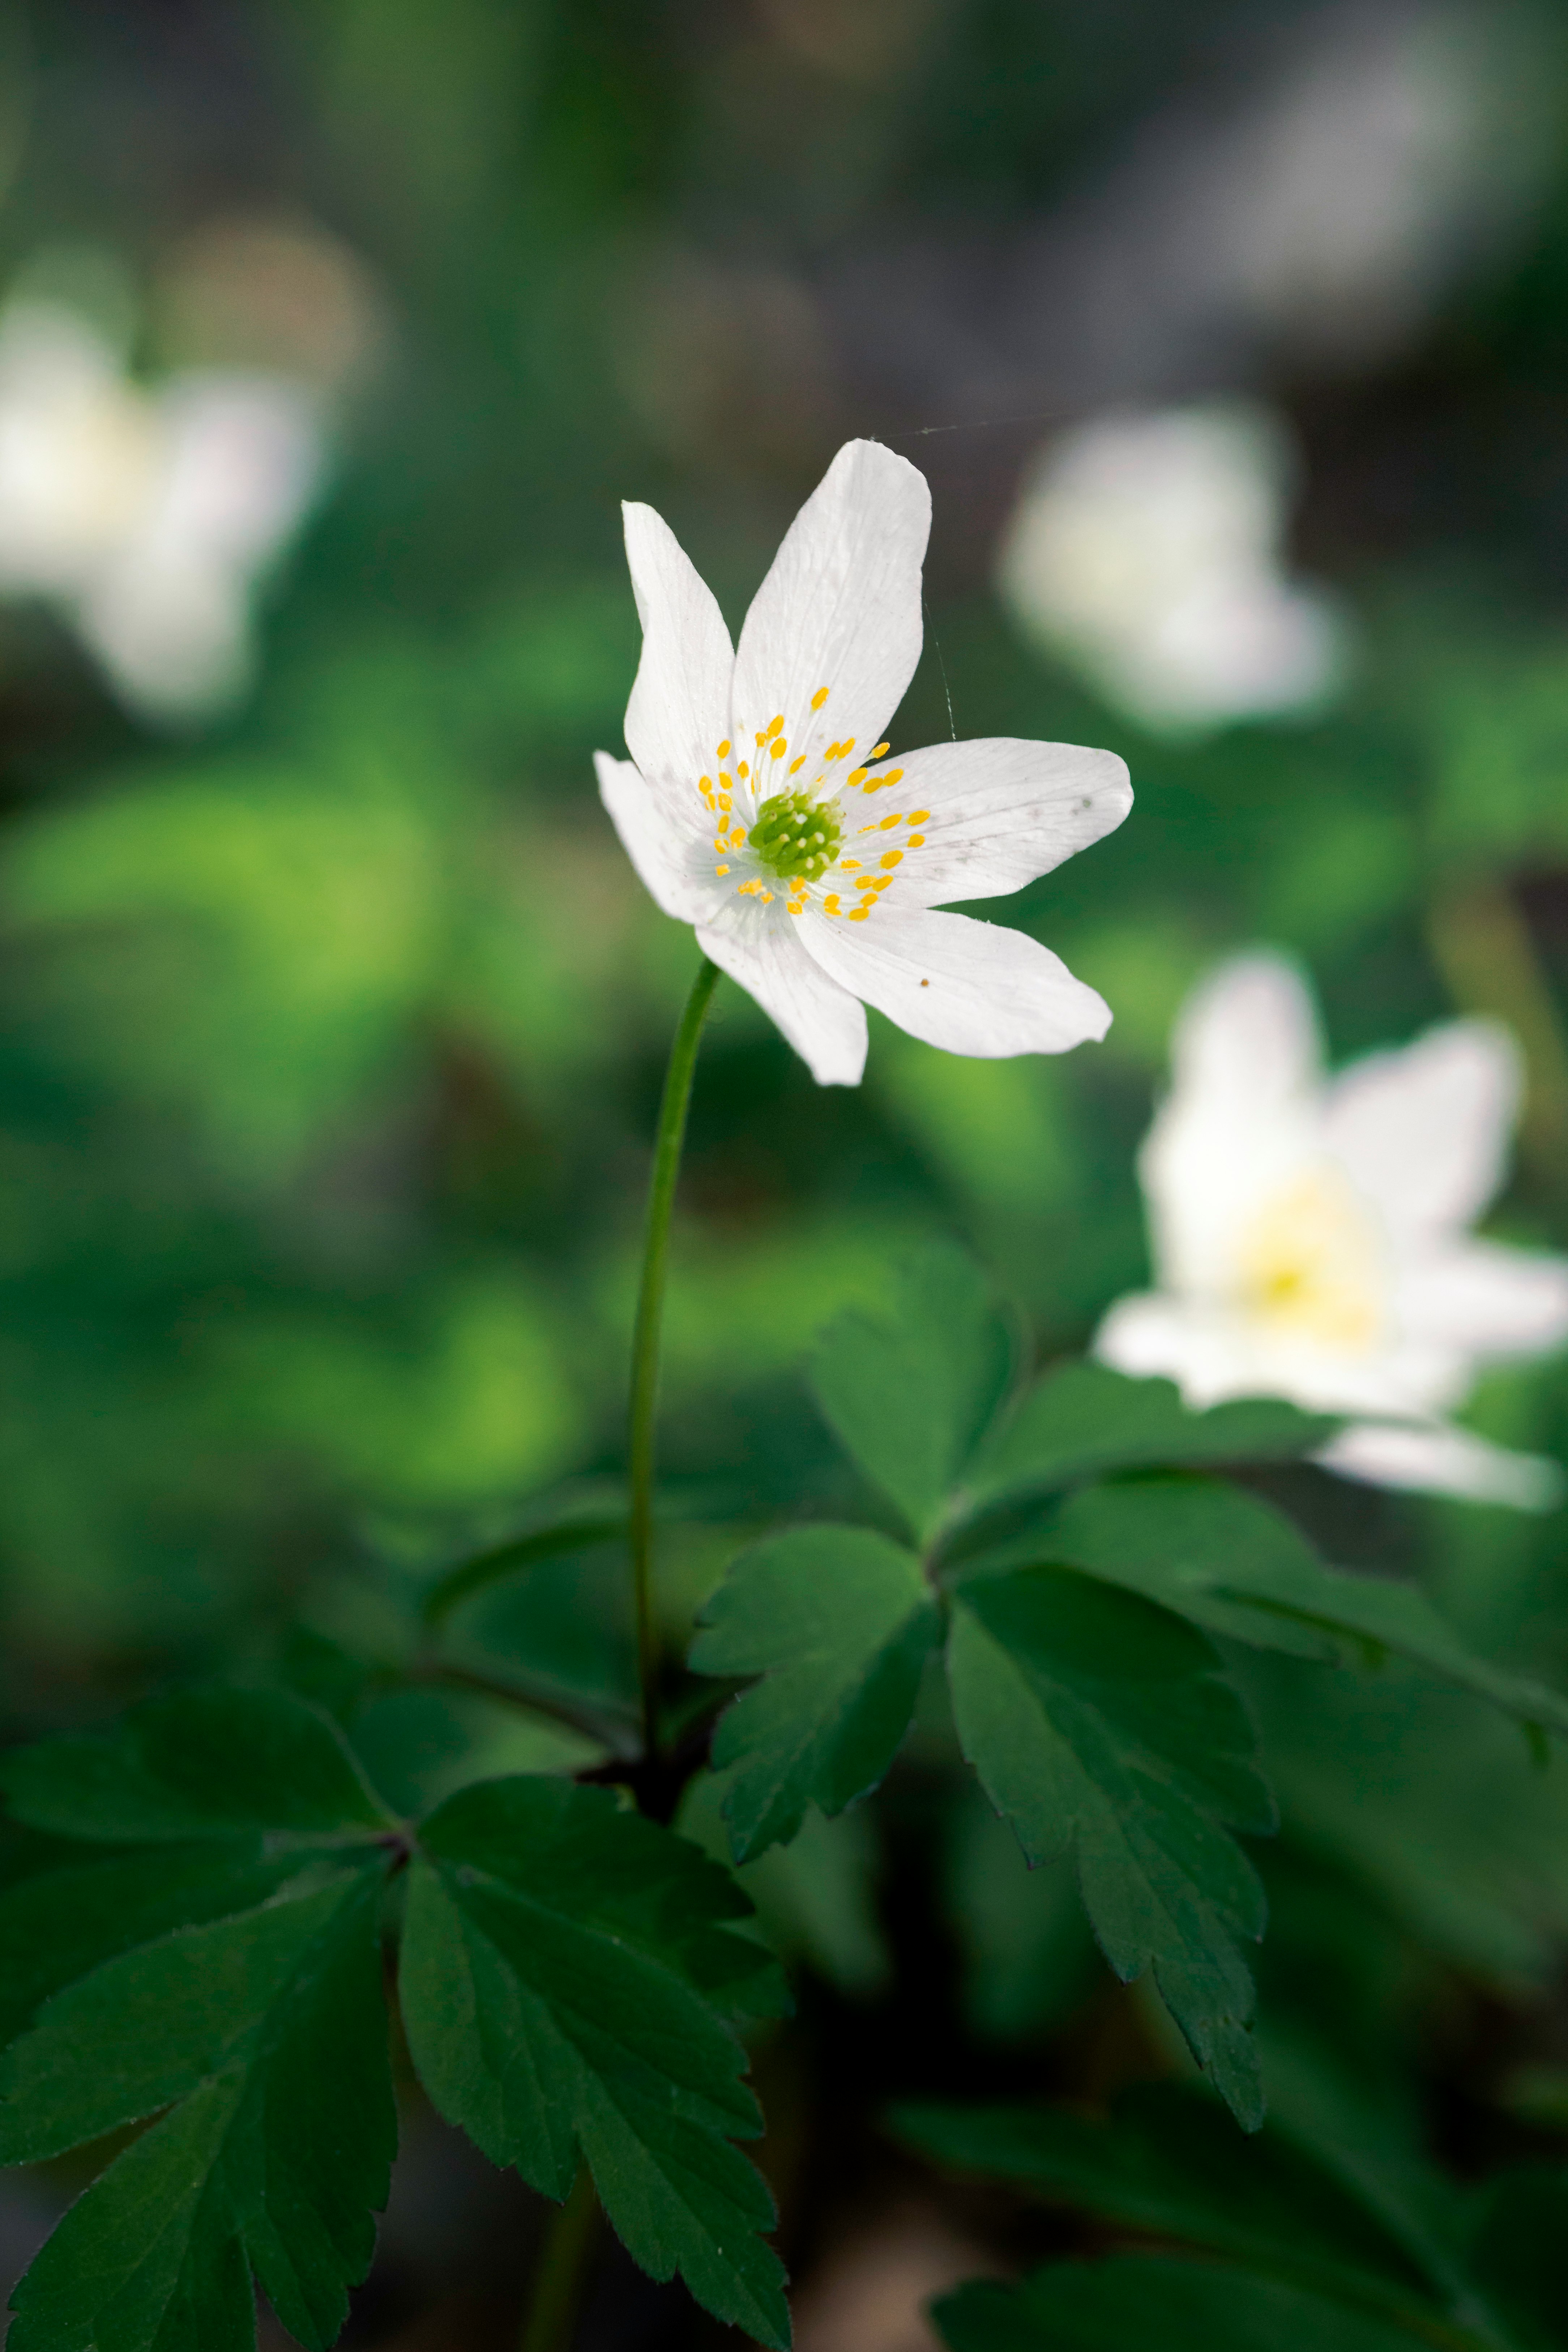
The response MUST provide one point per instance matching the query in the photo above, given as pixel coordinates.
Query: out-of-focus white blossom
(1147, 551)
(145, 517)
(1311, 1236)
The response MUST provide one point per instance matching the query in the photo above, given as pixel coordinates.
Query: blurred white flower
(1146, 549)
(747, 805)
(1311, 1237)
(146, 517)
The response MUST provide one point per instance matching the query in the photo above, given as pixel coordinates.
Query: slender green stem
(671, 1134)
(559, 2272)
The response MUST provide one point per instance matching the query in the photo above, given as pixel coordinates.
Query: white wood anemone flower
(758, 805)
(1311, 1235)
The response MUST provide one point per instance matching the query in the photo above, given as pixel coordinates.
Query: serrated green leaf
(1130, 2303)
(1083, 1420)
(560, 1964)
(910, 1391)
(215, 1762)
(839, 1623)
(264, 2033)
(1235, 1565)
(1172, 2162)
(1100, 1723)
(58, 1924)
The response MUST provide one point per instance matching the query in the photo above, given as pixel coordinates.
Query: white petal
(969, 987)
(1240, 1122)
(840, 609)
(1150, 1333)
(824, 1025)
(1248, 1037)
(1000, 814)
(1424, 1130)
(1488, 1300)
(661, 852)
(679, 708)
(1443, 1461)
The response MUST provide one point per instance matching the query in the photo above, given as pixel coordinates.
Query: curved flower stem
(560, 2271)
(671, 1133)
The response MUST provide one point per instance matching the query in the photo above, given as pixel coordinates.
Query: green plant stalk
(671, 1134)
(560, 2274)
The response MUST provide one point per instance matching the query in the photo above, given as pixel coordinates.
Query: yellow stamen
(894, 858)
(819, 698)
(742, 770)
(856, 776)
(777, 750)
(886, 824)
(720, 869)
(737, 838)
(858, 914)
(775, 727)
(797, 763)
(878, 753)
(723, 781)
(724, 748)
(830, 904)
(917, 841)
(919, 816)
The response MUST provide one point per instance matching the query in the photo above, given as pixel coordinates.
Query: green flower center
(795, 837)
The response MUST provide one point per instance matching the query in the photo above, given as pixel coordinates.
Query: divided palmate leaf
(1233, 1564)
(1083, 1420)
(225, 1981)
(212, 1762)
(1172, 2163)
(569, 1973)
(1132, 2302)
(910, 1391)
(1099, 1723)
(839, 1623)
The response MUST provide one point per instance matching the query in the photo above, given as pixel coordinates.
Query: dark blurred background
(1233, 335)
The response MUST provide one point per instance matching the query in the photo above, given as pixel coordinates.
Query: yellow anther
(890, 775)
(724, 800)
(759, 741)
(775, 727)
(705, 783)
(830, 904)
(721, 841)
(724, 748)
(856, 776)
(850, 862)
(919, 818)
(886, 824)
(725, 782)
(878, 753)
(819, 698)
(866, 882)
(917, 841)
(742, 770)
(720, 869)
(797, 763)
(797, 906)
(894, 858)
(881, 881)
(777, 749)
(738, 837)
(766, 896)
(858, 914)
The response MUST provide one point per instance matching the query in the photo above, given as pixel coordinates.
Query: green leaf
(910, 1391)
(578, 1530)
(839, 1621)
(1098, 1722)
(1174, 2163)
(1131, 2303)
(1232, 1563)
(264, 2035)
(60, 1923)
(1080, 1421)
(568, 1972)
(215, 1762)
